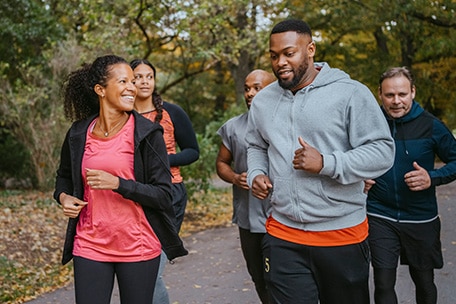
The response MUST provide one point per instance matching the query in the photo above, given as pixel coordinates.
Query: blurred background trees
(203, 50)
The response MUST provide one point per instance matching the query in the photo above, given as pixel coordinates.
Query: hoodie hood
(327, 75)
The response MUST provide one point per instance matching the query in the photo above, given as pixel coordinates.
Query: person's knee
(384, 278)
(423, 279)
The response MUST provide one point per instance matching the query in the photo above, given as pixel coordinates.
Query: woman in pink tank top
(114, 184)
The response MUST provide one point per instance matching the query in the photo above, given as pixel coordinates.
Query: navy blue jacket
(151, 187)
(420, 137)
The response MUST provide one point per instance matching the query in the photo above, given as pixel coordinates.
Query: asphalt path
(214, 272)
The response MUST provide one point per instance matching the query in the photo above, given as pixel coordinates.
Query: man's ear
(413, 92)
(311, 48)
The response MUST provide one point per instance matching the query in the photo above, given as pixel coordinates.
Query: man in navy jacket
(402, 205)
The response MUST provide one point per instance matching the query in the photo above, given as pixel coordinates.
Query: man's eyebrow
(284, 49)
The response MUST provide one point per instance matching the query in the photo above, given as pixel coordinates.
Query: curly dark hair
(80, 99)
(156, 98)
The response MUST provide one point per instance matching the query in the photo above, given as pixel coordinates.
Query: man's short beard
(295, 81)
(288, 85)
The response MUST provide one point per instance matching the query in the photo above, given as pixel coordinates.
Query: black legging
(385, 280)
(94, 281)
(426, 291)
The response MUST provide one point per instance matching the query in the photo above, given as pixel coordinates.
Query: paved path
(214, 272)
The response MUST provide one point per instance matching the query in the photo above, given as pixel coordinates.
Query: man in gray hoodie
(314, 136)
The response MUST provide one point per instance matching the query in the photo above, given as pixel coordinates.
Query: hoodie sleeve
(64, 182)
(372, 148)
(257, 155)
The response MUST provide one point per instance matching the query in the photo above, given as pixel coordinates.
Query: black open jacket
(151, 187)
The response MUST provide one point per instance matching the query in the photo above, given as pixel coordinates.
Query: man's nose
(282, 60)
(396, 99)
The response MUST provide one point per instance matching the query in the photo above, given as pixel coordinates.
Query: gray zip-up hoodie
(340, 118)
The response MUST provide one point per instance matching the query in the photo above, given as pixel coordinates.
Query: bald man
(249, 212)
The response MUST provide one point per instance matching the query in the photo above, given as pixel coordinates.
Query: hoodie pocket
(298, 199)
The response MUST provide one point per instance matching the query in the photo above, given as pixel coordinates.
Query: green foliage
(203, 51)
(26, 29)
(197, 98)
(15, 157)
(199, 175)
(34, 122)
(32, 112)
(364, 39)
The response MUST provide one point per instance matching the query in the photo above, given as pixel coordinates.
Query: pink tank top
(112, 228)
